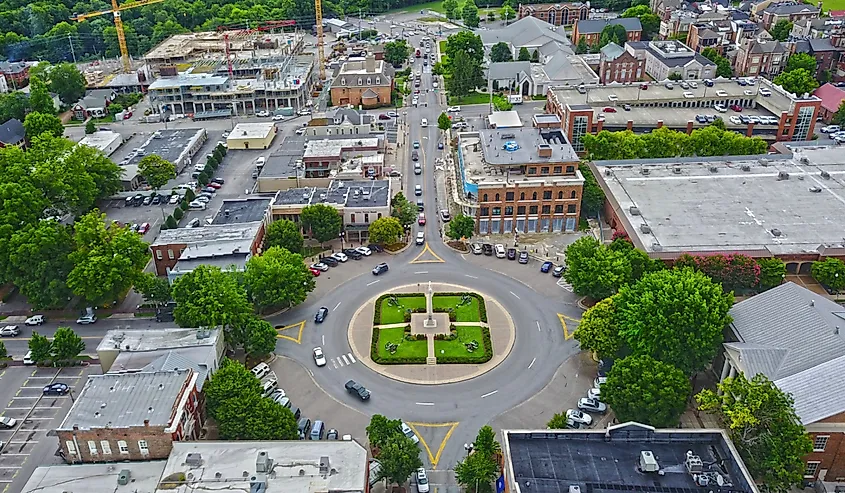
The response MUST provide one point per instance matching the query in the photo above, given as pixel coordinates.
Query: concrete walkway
(502, 335)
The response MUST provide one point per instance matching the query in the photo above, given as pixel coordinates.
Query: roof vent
(608, 172)
(194, 460)
(634, 210)
(783, 175)
(645, 171)
(825, 175)
(815, 189)
(745, 167)
(263, 463)
(677, 171)
(324, 465)
(645, 228)
(714, 169)
(123, 477)
(804, 160)
(776, 232)
(574, 488)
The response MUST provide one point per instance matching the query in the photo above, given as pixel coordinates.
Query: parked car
(579, 417)
(174, 199)
(594, 393)
(609, 109)
(380, 268)
(546, 267)
(383, 116)
(559, 270)
(475, 248)
(156, 199)
(408, 432)
(260, 370)
(422, 481)
(330, 261)
(500, 250)
(148, 200)
(7, 422)
(453, 109)
(35, 320)
(599, 381)
(144, 228)
(375, 248)
(523, 257)
(10, 331)
(340, 256)
(830, 129)
(332, 434)
(320, 266)
(314, 272)
(444, 216)
(353, 254)
(87, 319)
(319, 357)
(263, 113)
(511, 253)
(56, 388)
(304, 427)
(487, 248)
(364, 251)
(27, 359)
(591, 405)
(736, 107)
(321, 315)
(356, 388)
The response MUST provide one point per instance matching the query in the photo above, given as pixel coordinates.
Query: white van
(196, 205)
(259, 163)
(269, 386)
(424, 123)
(260, 370)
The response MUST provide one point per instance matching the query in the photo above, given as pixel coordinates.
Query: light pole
(468, 447)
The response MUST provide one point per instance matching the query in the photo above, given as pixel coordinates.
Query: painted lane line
(371, 283)
(532, 363)
(538, 326)
(338, 304)
(323, 338)
(350, 357)
(515, 295)
(488, 394)
(424, 403)
(474, 277)
(421, 272)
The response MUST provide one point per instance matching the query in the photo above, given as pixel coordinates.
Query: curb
(447, 245)
(580, 303)
(401, 250)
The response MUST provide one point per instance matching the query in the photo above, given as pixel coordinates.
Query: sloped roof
(528, 31)
(789, 8)
(611, 51)
(819, 392)
(595, 26)
(175, 361)
(508, 70)
(821, 44)
(12, 132)
(369, 93)
(831, 96)
(767, 47)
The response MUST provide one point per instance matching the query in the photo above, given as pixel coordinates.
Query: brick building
(15, 73)
(832, 98)
(367, 81)
(591, 29)
(827, 52)
(557, 14)
(760, 58)
(789, 11)
(131, 416)
(618, 65)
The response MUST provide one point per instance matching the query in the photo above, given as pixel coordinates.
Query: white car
(225, 134)
(260, 370)
(86, 319)
(500, 250)
(591, 405)
(579, 417)
(594, 393)
(203, 198)
(460, 125)
(34, 320)
(410, 433)
(422, 481)
(420, 238)
(174, 199)
(7, 422)
(735, 120)
(319, 358)
(278, 118)
(364, 251)
(320, 266)
(453, 109)
(263, 113)
(599, 381)
(10, 331)
(830, 129)
(340, 257)
(300, 131)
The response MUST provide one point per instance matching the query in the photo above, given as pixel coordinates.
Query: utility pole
(70, 41)
(359, 23)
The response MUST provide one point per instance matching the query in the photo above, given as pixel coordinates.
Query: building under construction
(213, 74)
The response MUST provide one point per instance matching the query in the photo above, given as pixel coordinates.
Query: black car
(137, 200)
(511, 253)
(353, 254)
(356, 388)
(380, 269)
(375, 248)
(420, 205)
(303, 426)
(219, 181)
(321, 315)
(57, 388)
(523, 257)
(487, 248)
(330, 261)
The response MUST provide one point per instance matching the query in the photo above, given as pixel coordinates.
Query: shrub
(178, 213)
(772, 272)
(203, 178)
(190, 195)
(733, 271)
(184, 205)
(170, 222)
(830, 272)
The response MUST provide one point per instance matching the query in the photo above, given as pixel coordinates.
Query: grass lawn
(456, 348)
(466, 313)
(406, 349)
(396, 314)
(435, 6)
(831, 4)
(474, 98)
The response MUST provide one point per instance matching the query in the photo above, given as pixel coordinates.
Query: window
(485, 211)
(560, 195)
(378, 80)
(509, 196)
(532, 170)
(360, 81)
(570, 209)
(92, 447)
(366, 218)
(498, 198)
(573, 194)
(379, 215)
(343, 81)
(547, 209)
(558, 209)
(158, 254)
(547, 195)
(106, 446)
(544, 170)
(534, 196)
(484, 198)
(532, 209)
(142, 446)
(820, 443)
(509, 210)
(497, 211)
(71, 448)
(522, 196)
(352, 218)
(520, 210)
(369, 81)
(121, 445)
(812, 468)
(570, 169)
(170, 254)
(558, 170)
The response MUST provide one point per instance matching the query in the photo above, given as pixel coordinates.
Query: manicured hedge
(377, 311)
(485, 355)
(482, 308)
(407, 316)
(374, 354)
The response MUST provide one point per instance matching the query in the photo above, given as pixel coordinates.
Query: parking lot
(26, 445)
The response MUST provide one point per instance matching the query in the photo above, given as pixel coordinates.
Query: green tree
(154, 289)
(485, 442)
(67, 82)
(41, 347)
(647, 391)
(14, 105)
(3, 352)
(467, 42)
(524, 55)
(772, 272)
(396, 52)
(652, 323)
(476, 473)
(399, 458)
(323, 221)
(558, 421)
(107, 260)
(178, 214)
(39, 97)
(156, 170)
(252, 417)
(469, 14)
(66, 345)
(90, 127)
(461, 226)
(594, 270)
(781, 30)
(830, 272)
(381, 430)
(535, 56)
(38, 263)
(650, 21)
(209, 297)
(801, 60)
(37, 123)
(232, 379)
(277, 278)
(581, 47)
(507, 13)
(170, 222)
(798, 81)
(451, 8)
(403, 210)
(284, 233)
(115, 108)
(613, 33)
(385, 231)
(466, 75)
(443, 122)
(762, 423)
(597, 331)
(491, 16)
(260, 338)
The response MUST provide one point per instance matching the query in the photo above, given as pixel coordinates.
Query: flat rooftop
(282, 163)
(143, 478)
(335, 147)
(766, 205)
(251, 130)
(513, 146)
(349, 193)
(235, 262)
(604, 461)
(298, 466)
(101, 139)
(236, 211)
(119, 400)
(209, 233)
(182, 80)
(155, 339)
(171, 144)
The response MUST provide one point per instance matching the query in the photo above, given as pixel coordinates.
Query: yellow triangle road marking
(434, 458)
(298, 338)
(563, 318)
(427, 250)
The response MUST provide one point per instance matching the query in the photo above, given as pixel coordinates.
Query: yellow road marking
(563, 318)
(298, 338)
(427, 249)
(434, 458)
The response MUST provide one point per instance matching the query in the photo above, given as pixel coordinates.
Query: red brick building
(831, 97)
(591, 29)
(16, 74)
(558, 14)
(131, 416)
(618, 65)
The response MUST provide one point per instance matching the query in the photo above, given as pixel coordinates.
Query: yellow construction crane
(118, 25)
(318, 8)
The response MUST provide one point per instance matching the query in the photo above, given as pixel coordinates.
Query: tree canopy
(156, 170)
(599, 271)
(780, 31)
(597, 332)
(323, 221)
(284, 233)
(385, 230)
(647, 391)
(38, 123)
(477, 471)
(664, 143)
(277, 278)
(403, 210)
(501, 52)
(210, 297)
(469, 14)
(398, 454)
(461, 226)
(798, 81)
(396, 52)
(723, 65)
(67, 82)
(444, 122)
(613, 33)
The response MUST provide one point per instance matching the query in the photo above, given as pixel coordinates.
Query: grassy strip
(395, 315)
(407, 352)
(482, 307)
(474, 98)
(454, 350)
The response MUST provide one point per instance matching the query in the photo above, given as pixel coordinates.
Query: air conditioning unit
(783, 175)
(634, 210)
(676, 170)
(714, 169)
(776, 232)
(647, 462)
(804, 160)
(645, 228)
(745, 167)
(645, 171)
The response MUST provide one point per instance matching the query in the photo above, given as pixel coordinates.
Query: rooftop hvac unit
(647, 462)
(574, 488)
(645, 171)
(804, 160)
(123, 477)
(194, 460)
(608, 172)
(776, 232)
(634, 210)
(693, 463)
(745, 167)
(645, 228)
(676, 170)
(825, 175)
(783, 175)
(714, 169)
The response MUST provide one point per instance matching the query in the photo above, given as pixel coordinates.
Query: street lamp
(468, 447)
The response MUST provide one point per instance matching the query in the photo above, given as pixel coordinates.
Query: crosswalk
(342, 360)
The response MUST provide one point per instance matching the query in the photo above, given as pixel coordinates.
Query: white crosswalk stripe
(351, 358)
(345, 361)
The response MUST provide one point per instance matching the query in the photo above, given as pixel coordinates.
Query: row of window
(361, 81)
(366, 218)
(547, 195)
(520, 210)
(105, 447)
(170, 254)
(532, 225)
(544, 170)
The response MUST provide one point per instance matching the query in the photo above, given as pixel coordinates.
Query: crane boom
(318, 9)
(118, 25)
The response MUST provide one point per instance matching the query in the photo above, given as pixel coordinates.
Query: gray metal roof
(129, 399)
(508, 70)
(248, 210)
(172, 360)
(528, 31)
(12, 132)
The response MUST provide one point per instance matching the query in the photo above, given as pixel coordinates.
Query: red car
(314, 272)
(736, 107)
(383, 117)
(609, 110)
(215, 186)
(421, 219)
(143, 228)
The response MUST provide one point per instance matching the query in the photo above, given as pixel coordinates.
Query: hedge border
(374, 355)
(471, 359)
(482, 307)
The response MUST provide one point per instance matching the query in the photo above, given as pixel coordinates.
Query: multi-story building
(257, 135)
(367, 82)
(131, 416)
(664, 59)
(619, 65)
(718, 35)
(323, 156)
(817, 28)
(832, 98)
(788, 11)
(590, 30)
(644, 107)
(519, 180)
(677, 24)
(766, 58)
(341, 122)
(15, 73)
(827, 52)
(557, 14)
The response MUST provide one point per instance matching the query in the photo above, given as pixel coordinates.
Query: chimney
(544, 150)
(370, 63)
(147, 423)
